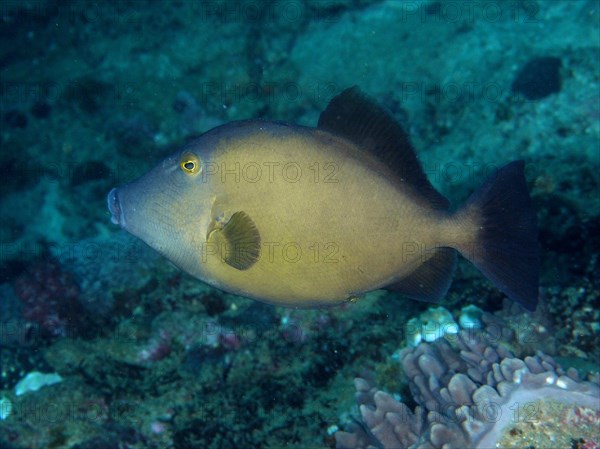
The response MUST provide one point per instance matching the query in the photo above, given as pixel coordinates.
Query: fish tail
(504, 244)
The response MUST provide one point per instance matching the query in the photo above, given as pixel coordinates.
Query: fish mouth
(114, 206)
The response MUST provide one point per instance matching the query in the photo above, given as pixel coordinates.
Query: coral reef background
(472, 391)
(93, 94)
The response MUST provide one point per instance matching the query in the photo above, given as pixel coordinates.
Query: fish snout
(114, 206)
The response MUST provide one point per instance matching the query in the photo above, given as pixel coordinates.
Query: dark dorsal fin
(354, 116)
(431, 280)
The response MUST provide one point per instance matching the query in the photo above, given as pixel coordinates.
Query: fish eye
(189, 163)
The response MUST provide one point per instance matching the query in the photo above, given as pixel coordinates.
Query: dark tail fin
(506, 247)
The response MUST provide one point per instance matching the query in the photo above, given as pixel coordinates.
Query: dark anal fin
(355, 117)
(238, 241)
(431, 280)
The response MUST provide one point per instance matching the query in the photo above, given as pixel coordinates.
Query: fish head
(169, 208)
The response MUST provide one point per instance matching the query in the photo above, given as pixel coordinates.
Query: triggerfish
(300, 216)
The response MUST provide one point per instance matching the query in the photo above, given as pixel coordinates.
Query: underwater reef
(104, 344)
(472, 391)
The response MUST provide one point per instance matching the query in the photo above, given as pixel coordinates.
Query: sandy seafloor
(93, 94)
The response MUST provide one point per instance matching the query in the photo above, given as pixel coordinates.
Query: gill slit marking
(160, 217)
(158, 207)
(181, 209)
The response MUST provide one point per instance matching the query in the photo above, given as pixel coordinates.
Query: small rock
(36, 380)
(539, 78)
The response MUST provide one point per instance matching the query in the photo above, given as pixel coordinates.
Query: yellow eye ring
(190, 163)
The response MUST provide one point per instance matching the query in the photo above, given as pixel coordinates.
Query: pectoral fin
(238, 241)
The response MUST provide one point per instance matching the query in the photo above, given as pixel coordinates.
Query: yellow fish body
(304, 217)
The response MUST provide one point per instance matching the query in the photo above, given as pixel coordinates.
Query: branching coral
(468, 394)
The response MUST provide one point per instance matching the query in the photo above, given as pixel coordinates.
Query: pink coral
(583, 416)
(465, 394)
(157, 349)
(50, 297)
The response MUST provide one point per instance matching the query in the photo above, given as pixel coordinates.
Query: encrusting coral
(469, 392)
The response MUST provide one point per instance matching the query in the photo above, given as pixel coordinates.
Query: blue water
(92, 95)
